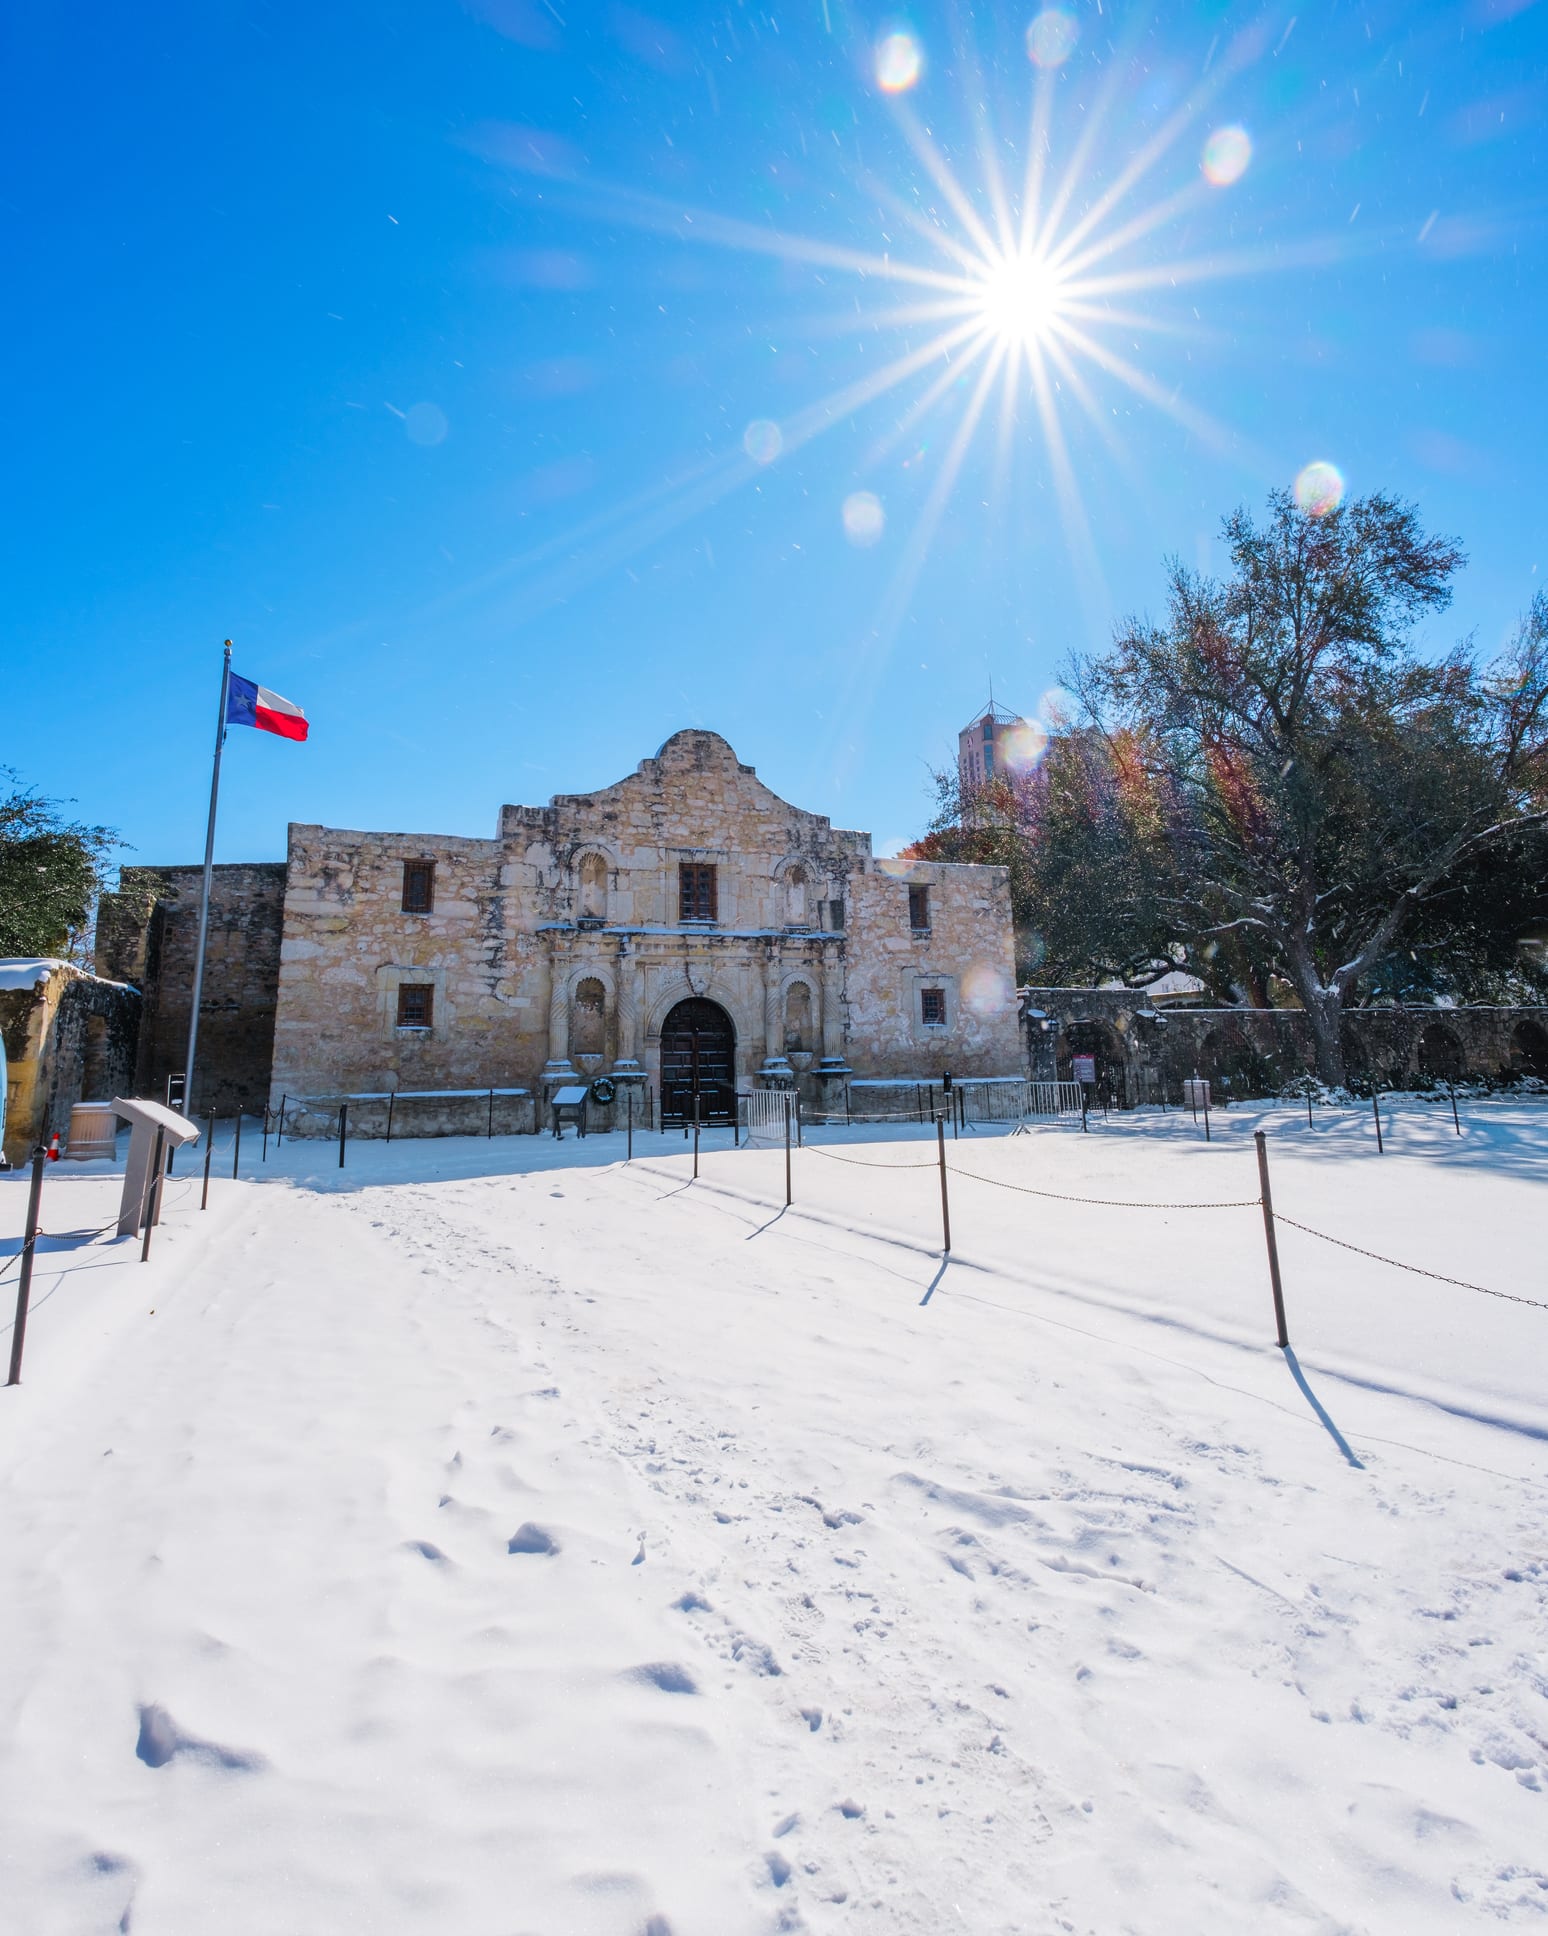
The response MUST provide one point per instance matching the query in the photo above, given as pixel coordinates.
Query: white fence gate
(764, 1112)
(1001, 1101)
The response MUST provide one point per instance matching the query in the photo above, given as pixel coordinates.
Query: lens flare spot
(426, 424)
(1021, 747)
(899, 62)
(1051, 37)
(864, 518)
(985, 989)
(1019, 299)
(1226, 155)
(1319, 488)
(762, 440)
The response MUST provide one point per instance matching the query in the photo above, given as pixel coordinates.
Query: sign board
(1085, 1068)
(1195, 1093)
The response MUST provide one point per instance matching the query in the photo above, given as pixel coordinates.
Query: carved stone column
(832, 1003)
(558, 1068)
(628, 1015)
(775, 1067)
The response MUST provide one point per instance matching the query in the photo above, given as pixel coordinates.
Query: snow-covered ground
(494, 1540)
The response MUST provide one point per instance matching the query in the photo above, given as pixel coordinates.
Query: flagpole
(204, 896)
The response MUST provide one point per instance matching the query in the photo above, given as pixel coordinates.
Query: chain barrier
(860, 1163)
(1107, 1203)
(58, 1236)
(1415, 1270)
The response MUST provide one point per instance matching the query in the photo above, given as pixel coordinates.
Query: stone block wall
(147, 934)
(966, 952)
(69, 1037)
(1254, 1052)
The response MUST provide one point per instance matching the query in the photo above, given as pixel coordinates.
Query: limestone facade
(558, 950)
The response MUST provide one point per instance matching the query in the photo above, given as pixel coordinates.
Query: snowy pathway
(585, 1552)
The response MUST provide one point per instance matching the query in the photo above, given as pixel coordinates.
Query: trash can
(93, 1132)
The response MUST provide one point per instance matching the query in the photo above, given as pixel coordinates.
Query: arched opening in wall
(1234, 1068)
(95, 1086)
(1440, 1054)
(593, 888)
(1105, 1048)
(1529, 1050)
(798, 1018)
(795, 897)
(588, 1019)
(698, 1053)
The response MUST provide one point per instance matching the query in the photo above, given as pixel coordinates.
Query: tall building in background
(979, 745)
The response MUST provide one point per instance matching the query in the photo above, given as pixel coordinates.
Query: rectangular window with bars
(418, 886)
(932, 1007)
(696, 896)
(919, 909)
(416, 1004)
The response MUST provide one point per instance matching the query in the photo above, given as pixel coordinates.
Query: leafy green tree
(51, 872)
(1331, 797)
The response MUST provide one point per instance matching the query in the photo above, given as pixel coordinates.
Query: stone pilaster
(558, 1068)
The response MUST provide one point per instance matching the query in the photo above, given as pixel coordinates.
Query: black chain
(1460, 1282)
(1107, 1203)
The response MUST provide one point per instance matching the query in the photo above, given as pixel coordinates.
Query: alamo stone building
(683, 922)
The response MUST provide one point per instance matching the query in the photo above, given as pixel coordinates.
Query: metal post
(1376, 1112)
(190, 1062)
(209, 1151)
(629, 1119)
(796, 1108)
(265, 1157)
(152, 1204)
(940, 1144)
(1308, 1109)
(1456, 1119)
(787, 1150)
(343, 1130)
(29, 1244)
(1083, 1102)
(281, 1137)
(236, 1147)
(696, 1135)
(1268, 1231)
(392, 1097)
(491, 1116)
(1206, 1116)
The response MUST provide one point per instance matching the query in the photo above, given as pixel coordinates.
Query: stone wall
(810, 953)
(69, 1037)
(1142, 1046)
(147, 934)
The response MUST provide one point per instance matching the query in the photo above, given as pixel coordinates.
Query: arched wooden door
(698, 1043)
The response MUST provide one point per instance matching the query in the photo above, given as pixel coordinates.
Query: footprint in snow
(665, 1675)
(529, 1538)
(161, 1740)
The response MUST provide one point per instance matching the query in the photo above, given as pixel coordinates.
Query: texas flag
(249, 704)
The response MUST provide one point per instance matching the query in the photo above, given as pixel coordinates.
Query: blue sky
(415, 347)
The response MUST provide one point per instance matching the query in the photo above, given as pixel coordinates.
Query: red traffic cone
(53, 1148)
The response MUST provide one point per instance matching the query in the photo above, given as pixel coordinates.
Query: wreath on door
(603, 1091)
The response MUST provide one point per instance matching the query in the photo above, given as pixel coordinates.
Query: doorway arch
(698, 1039)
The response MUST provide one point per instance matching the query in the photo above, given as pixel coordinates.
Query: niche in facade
(795, 898)
(593, 888)
(588, 1022)
(798, 1017)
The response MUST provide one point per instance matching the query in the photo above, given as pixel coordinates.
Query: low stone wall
(1144, 1051)
(465, 1115)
